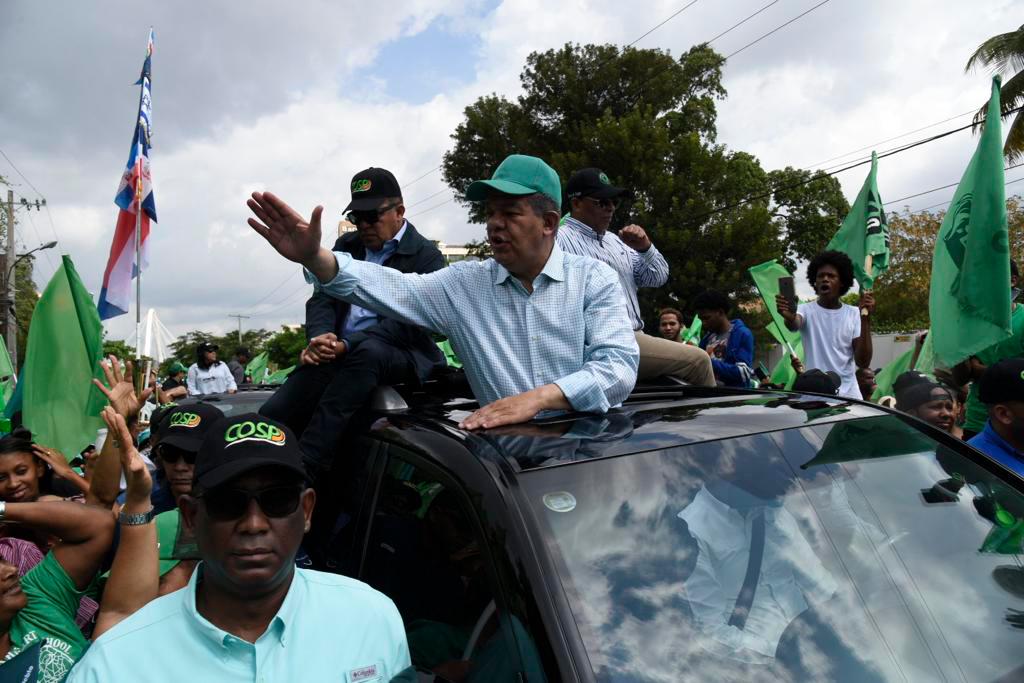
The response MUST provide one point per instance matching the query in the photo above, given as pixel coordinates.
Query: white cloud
(261, 101)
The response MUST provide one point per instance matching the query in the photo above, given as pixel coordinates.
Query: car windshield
(856, 551)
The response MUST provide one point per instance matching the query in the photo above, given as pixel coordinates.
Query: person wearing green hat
(174, 386)
(536, 329)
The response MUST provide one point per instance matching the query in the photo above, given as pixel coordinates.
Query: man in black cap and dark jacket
(351, 349)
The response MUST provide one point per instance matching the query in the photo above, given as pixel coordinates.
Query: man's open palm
(289, 233)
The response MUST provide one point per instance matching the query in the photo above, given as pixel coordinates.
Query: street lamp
(48, 245)
(10, 329)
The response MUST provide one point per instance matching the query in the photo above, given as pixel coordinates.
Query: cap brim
(185, 441)
(478, 191)
(235, 468)
(365, 204)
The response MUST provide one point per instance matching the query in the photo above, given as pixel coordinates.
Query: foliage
(1004, 54)
(25, 298)
(649, 121)
(901, 294)
(183, 348)
(480, 249)
(285, 346)
(117, 347)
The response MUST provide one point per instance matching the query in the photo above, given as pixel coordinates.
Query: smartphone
(761, 372)
(787, 288)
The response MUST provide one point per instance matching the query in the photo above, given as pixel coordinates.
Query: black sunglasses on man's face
(225, 503)
(370, 216)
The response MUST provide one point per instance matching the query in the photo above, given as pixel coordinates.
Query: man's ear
(1001, 413)
(551, 220)
(308, 503)
(400, 210)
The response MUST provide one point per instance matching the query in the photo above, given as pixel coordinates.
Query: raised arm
(650, 269)
(134, 576)
(85, 532)
(411, 298)
(105, 483)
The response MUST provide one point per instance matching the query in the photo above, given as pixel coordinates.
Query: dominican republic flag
(136, 189)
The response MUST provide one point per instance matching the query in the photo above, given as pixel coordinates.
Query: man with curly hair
(835, 335)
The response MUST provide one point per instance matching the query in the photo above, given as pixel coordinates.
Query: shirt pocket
(369, 673)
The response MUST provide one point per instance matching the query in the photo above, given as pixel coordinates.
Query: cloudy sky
(296, 97)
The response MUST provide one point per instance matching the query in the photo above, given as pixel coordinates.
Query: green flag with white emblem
(864, 234)
(969, 301)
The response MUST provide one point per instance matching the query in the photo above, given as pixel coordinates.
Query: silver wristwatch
(136, 518)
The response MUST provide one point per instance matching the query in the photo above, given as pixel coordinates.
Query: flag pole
(138, 256)
(868, 263)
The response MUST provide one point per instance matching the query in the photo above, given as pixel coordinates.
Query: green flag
(885, 379)
(692, 333)
(449, 354)
(766, 278)
(65, 344)
(926, 359)
(279, 377)
(783, 373)
(865, 233)
(969, 301)
(257, 368)
(6, 374)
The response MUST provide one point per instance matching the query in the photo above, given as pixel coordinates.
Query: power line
(670, 18)
(741, 22)
(777, 28)
(419, 178)
(947, 202)
(420, 201)
(946, 187)
(35, 189)
(435, 206)
(882, 142)
(268, 294)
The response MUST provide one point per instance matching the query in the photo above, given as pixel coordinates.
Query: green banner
(766, 278)
(257, 368)
(969, 301)
(865, 232)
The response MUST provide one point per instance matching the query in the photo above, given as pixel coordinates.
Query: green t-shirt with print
(50, 614)
(1011, 347)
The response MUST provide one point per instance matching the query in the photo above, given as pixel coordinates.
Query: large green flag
(65, 344)
(766, 278)
(257, 368)
(887, 377)
(969, 301)
(6, 374)
(865, 233)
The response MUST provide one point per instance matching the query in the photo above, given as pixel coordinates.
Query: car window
(856, 551)
(424, 552)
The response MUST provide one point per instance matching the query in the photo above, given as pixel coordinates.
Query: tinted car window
(857, 551)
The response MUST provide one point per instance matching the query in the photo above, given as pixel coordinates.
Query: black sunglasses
(605, 203)
(225, 504)
(369, 216)
(171, 455)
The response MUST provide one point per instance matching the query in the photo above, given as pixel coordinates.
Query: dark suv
(692, 534)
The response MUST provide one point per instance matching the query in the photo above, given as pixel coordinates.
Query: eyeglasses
(224, 504)
(370, 216)
(171, 455)
(604, 203)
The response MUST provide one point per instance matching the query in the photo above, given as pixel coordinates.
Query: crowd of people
(191, 532)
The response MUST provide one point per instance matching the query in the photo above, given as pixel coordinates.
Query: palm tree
(1004, 54)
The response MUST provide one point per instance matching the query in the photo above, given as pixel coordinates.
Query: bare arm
(85, 532)
(59, 464)
(862, 348)
(134, 576)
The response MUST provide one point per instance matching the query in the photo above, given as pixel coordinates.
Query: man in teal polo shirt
(248, 614)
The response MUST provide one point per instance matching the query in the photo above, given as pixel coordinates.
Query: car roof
(654, 417)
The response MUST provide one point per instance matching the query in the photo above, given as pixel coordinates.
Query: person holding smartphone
(836, 336)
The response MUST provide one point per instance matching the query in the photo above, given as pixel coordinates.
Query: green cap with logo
(519, 175)
(246, 442)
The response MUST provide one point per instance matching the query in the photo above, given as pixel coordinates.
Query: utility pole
(240, 318)
(10, 327)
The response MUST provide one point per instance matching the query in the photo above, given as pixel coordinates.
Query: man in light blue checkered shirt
(536, 329)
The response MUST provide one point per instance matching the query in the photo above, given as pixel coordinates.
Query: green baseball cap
(519, 175)
(175, 368)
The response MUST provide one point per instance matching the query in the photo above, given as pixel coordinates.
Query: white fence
(887, 347)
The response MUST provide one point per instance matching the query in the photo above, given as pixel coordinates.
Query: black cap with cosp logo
(592, 182)
(185, 426)
(371, 188)
(246, 442)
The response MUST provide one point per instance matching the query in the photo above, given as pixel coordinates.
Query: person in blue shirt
(537, 329)
(730, 343)
(248, 614)
(1001, 390)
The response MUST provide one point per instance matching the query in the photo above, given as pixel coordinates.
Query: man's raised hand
(290, 234)
(119, 390)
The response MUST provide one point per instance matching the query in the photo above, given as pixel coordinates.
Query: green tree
(649, 121)
(183, 348)
(25, 297)
(119, 348)
(285, 346)
(1004, 54)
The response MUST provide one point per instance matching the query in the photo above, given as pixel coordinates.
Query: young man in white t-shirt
(835, 335)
